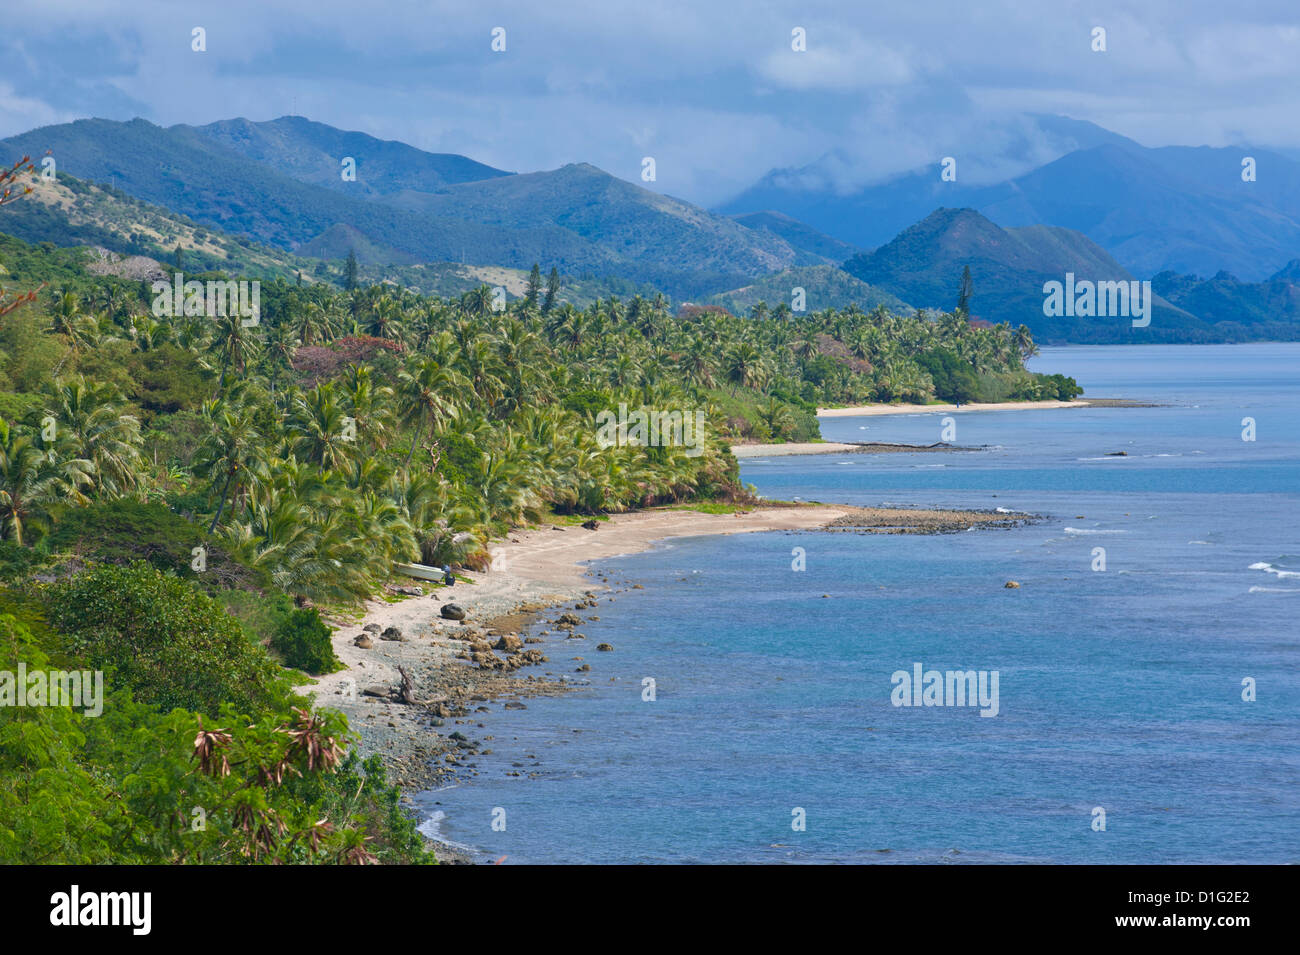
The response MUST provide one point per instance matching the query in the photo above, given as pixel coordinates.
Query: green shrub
(303, 641)
(168, 379)
(954, 379)
(122, 787)
(16, 407)
(164, 639)
(262, 615)
(16, 561)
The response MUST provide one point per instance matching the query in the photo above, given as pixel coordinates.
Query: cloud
(845, 64)
(713, 91)
(21, 113)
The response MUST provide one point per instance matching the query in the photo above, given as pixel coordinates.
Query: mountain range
(273, 196)
(280, 183)
(1175, 208)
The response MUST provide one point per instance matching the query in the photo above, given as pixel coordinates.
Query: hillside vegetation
(577, 218)
(182, 495)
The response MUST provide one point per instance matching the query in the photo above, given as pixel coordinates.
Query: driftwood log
(407, 692)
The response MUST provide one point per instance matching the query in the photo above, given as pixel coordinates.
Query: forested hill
(579, 218)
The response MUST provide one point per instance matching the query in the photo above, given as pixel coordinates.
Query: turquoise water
(1119, 689)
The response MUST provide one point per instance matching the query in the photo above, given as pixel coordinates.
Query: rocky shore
(424, 663)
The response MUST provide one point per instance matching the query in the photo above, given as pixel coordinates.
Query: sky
(713, 91)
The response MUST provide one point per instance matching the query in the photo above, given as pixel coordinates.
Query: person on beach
(448, 577)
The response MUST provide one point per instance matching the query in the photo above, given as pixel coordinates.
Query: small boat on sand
(420, 571)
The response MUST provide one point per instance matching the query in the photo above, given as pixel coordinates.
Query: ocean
(772, 735)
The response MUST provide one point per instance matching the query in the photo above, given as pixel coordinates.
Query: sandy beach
(454, 665)
(837, 447)
(868, 411)
(538, 584)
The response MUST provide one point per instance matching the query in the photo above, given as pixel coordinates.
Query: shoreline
(459, 669)
(871, 411)
(454, 666)
(839, 447)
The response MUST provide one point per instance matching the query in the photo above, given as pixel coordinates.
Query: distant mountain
(313, 153)
(193, 175)
(870, 215)
(577, 218)
(867, 218)
(1009, 267)
(125, 236)
(627, 221)
(824, 286)
(802, 236)
(1240, 310)
(1176, 208)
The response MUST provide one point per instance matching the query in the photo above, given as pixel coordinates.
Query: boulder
(509, 643)
(363, 641)
(392, 633)
(372, 628)
(452, 612)
(488, 661)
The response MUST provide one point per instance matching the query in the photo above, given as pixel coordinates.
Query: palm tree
(89, 420)
(312, 323)
(32, 483)
(323, 437)
(1024, 342)
(371, 406)
(229, 454)
(147, 333)
(697, 364)
(384, 320)
(66, 312)
(480, 364)
(235, 342)
(742, 366)
(427, 390)
(478, 302)
(281, 345)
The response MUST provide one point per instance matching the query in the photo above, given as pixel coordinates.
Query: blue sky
(712, 90)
